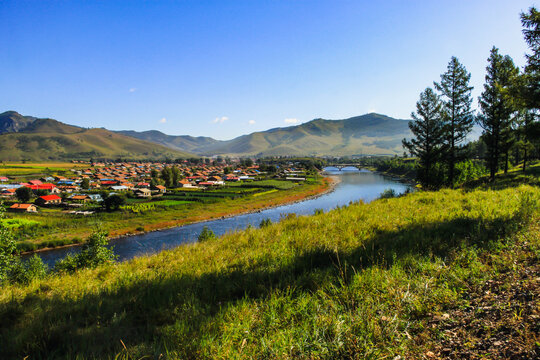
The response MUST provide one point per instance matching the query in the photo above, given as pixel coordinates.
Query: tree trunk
(506, 163)
(524, 159)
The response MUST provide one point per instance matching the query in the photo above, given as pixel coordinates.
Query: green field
(366, 281)
(38, 169)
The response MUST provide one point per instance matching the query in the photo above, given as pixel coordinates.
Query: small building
(7, 192)
(79, 198)
(48, 200)
(143, 193)
(95, 197)
(31, 208)
(46, 186)
(162, 189)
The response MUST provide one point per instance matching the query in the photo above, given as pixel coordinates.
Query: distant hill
(30, 138)
(181, 142)
(370, 134)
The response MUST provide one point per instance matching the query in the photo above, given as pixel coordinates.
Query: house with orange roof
(31, 208)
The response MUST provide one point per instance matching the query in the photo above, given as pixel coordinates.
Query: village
(111, 185)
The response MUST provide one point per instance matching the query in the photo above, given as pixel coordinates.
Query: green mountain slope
(370, 134)
(48, 139)
(182, 142)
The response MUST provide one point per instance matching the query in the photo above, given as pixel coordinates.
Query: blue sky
(226, 68)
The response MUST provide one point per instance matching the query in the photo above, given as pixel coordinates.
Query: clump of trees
(12, 268)
(509, 116)
(94, 252)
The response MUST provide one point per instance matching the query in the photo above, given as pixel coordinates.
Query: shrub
(94, 252)
(265, 223)
(388, 193)
(25, 271)
(206, 234)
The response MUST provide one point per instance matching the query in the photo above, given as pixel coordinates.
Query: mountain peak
(12, 121)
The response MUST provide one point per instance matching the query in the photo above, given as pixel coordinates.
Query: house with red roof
(46, 186)
(48, 200)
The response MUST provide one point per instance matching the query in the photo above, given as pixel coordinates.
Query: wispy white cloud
(162, 121)
(291, 121)
(220, 120)
(132, 90)
(251, 122)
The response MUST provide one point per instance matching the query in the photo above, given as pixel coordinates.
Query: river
(354, 185)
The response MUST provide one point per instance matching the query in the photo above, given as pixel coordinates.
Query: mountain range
(27, 137)
(370, 134)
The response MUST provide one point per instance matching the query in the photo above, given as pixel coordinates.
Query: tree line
(509, 113)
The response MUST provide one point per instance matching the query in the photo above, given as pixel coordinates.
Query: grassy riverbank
(365, 281)
(52, 228)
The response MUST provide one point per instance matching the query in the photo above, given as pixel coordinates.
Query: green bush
(94, 252)
(388, 193)
(206, 234)
(265, 223)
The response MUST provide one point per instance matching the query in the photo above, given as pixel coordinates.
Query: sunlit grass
(355, 282)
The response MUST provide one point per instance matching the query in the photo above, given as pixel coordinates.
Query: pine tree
(497, 107)
(531, 32)
(456, 112)
(427, 144)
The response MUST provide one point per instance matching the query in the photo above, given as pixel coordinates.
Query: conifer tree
(428, 141)
(531, 32)
(497, 107)
(456, 112)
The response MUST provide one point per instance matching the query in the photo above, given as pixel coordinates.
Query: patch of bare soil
(501, 320)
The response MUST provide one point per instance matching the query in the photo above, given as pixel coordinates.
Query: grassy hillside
(182, 142)
(372, 134)
(56, 141)
(365, 281)
(367, 134)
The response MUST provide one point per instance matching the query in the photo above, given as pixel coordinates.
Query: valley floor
(57, 229)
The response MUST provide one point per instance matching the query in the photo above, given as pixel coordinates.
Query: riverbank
(208, 212)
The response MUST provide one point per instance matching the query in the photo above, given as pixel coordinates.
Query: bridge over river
(341, 166)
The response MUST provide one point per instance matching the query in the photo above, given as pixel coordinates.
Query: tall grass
(355, 282)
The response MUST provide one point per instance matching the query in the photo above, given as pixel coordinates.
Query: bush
(25, 271)
(469, 170)
(206, 234)
(94, 252)
(388, 193)
(113, 202)
(265, 223)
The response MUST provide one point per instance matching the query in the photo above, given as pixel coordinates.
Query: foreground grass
(357, 282)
